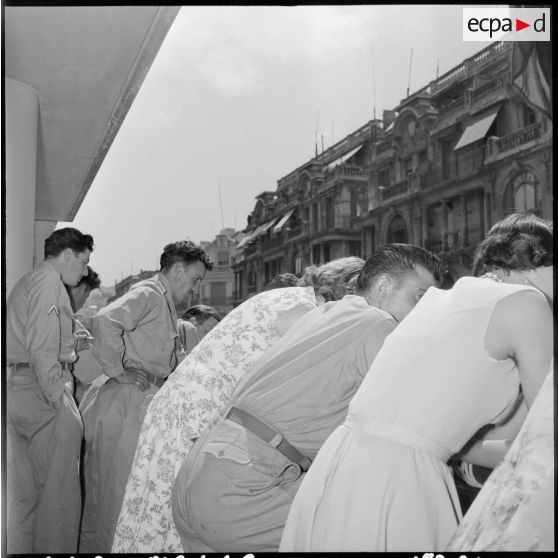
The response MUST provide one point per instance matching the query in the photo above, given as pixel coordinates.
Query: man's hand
(135, 376)
(82, 340)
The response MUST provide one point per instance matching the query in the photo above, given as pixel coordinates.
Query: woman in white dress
(455, 364)
(199, 389)
(514, 511)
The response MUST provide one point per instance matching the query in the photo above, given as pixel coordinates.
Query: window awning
(244, 241)
(344, 158)
(282, 221)
(477, 129)
(263, 228)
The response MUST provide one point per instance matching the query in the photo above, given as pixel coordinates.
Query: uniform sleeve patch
(55, 308)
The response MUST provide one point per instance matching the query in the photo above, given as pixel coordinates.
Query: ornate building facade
(217, 288)
(437, 171)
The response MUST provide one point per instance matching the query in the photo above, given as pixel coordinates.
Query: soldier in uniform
(43, 423)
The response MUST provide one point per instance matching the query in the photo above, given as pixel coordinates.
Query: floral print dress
(514, 511)
(190, 401)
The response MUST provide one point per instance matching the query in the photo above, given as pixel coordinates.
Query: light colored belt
(400, 435)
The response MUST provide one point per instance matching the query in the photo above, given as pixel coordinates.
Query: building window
(316, 254)
(354, 248)
(529, 115)
(355, 205)
(329, 215)
(326, 253)
(521, 194)
(383, 177)
(223, 258)
(397, 230)
(314, 217)
(218, 293)
(524, 199)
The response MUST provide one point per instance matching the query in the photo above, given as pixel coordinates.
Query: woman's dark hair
(281, 281)
(186, 252)
(397, 260)
(518, 242)
(201, 311)
(91, 280)
(332, 280)
(68, 237)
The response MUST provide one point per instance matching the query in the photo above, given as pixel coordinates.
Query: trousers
(233, 492)
(43, 453)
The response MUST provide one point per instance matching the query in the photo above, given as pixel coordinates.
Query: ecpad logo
(506, 24)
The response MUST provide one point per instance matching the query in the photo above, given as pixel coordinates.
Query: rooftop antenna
(410, 66)
(437, 68)
(221, 204)
(374, 81)
(322, 143)
(316, 134)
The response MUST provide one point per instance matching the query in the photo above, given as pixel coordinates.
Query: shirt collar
(167, 291)
(47, 265)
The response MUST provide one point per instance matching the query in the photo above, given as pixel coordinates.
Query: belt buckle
(276, 440)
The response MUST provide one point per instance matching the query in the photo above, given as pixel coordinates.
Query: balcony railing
(462, 70)
(294, 232)
(383, 146)
(345, 171)
(454, 106)
(272, 243)
(496, 146)
(398, 189)
(250, 249)
(489, 88)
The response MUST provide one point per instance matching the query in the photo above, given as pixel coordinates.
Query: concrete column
(463, 239)
(22, 117)
(322, 255)
(444, 225)
(43, 229)
(424, 222)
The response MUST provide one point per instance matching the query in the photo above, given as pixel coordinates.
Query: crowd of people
(330, 412)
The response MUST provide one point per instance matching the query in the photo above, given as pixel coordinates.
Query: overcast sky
(233, 98)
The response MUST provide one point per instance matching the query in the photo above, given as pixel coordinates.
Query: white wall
(21, 123)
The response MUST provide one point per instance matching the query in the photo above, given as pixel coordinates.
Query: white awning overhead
(344, 158)
(263, 228)
(244, 241)
(282, 221)
(477, 129)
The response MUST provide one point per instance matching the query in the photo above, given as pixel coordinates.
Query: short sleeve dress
(190, 400)
(381, 481)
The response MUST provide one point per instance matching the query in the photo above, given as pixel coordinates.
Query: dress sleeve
(110, 324)
(43, 332)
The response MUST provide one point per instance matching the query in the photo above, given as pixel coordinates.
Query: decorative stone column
(424, 223)
(444, 225)
(463, 239)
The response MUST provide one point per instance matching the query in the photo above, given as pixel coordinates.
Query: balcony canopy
(477, 129)
(343, 158)
(277, 228)
(86, 64)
